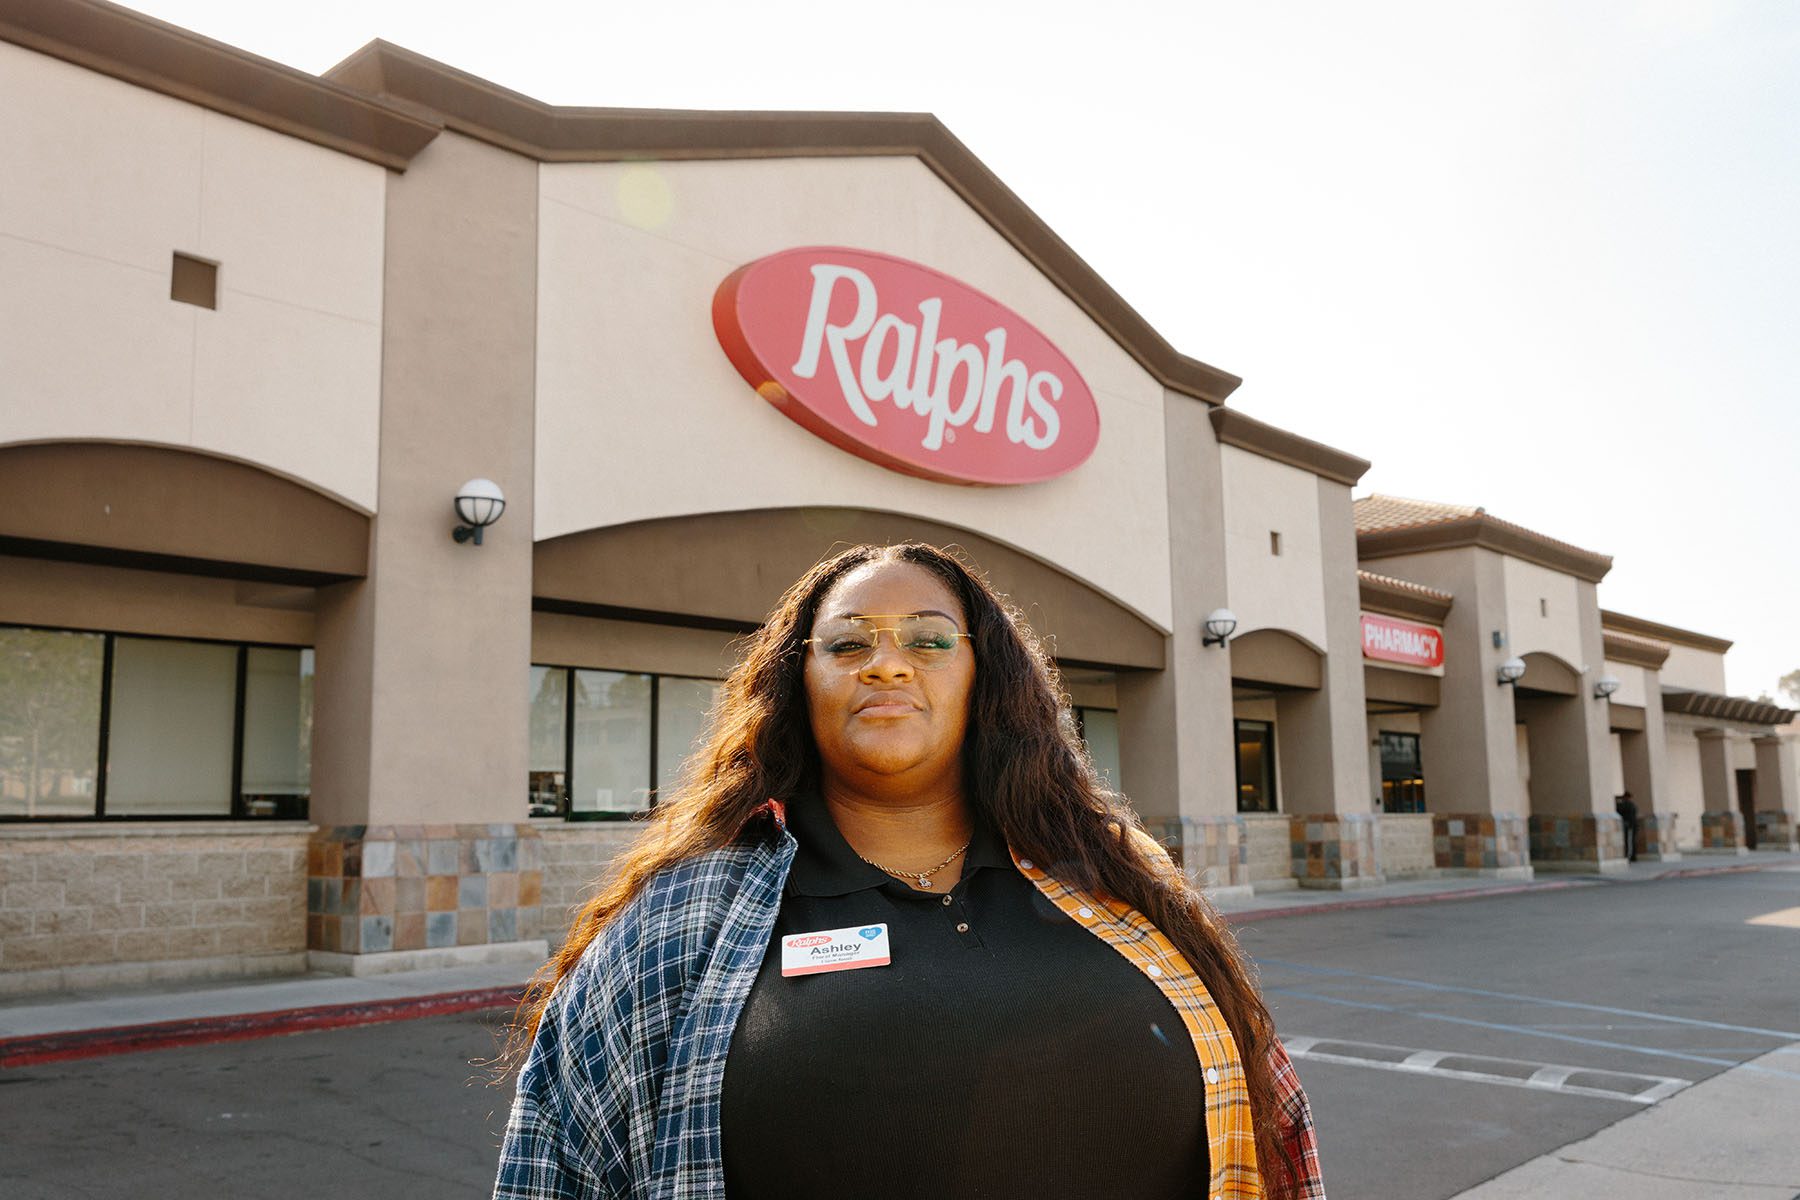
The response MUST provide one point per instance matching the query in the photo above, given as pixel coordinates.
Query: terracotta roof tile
(1405, 585)
(1397, 512)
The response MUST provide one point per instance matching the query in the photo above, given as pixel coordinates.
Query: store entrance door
(1402, 773)
(1746, 792)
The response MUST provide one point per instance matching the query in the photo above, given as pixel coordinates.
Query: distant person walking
(1626, 807)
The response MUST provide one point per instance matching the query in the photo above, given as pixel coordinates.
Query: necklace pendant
(924, 882)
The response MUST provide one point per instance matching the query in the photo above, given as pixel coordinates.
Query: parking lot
(1441, 1044)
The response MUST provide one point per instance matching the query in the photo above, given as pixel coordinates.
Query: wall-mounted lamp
(1220, 624)
(479, 504)
(1511, 671)
(1604, 687)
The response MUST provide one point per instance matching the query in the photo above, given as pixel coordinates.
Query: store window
(1100, 730)
(1402, 773)
(101, 725)
(605, 743)
(1256, 766)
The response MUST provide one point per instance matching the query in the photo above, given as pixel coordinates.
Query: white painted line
(1544, 1077)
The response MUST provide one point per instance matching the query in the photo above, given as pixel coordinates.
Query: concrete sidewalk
(80, 1024)
(1729, 1137)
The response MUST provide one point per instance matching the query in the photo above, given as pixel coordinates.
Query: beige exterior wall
(1684, 788)
(1406, 844)
(1265, 590)
(1543, 611)
(104, 183)
(567, 641)
(1696, 670)
(92, 905)
(1631, 682)
(120, 600)
(629, 257)
(412, 658)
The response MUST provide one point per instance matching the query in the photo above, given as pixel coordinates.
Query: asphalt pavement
(1560, 1040)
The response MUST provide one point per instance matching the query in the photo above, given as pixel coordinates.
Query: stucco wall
(1699, 670)
(1684, 799)
(631, 380)
(104, 182)
(1631, 683)
(1555, 626)
(1266, 590)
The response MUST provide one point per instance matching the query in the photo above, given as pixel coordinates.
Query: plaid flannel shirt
(619, 1097)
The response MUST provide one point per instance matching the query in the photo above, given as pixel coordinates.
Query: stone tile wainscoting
(1214, 851)
(1481, 844)
(1578, 842)
(1656, 837)
(1776, 830)
(423, 892)
(1722, 832)
(1334, 850)
(116, 904)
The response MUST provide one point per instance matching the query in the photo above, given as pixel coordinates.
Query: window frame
(104, 729)
(1237, 763)
(656, 678)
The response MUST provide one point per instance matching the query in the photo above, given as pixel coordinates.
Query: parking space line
(1543, 1077)
(1786, 1035)
(1526, 1030)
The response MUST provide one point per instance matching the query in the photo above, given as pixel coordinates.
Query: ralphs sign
(1388, 640)
(905, 366)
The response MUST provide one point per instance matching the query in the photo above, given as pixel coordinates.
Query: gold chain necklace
(920, 879)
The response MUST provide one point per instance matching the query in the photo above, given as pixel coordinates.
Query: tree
(1790, 686)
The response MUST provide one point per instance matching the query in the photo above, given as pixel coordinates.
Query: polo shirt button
(1025, 864)
(946, 902)
(1212, 1074)
(1154, 970)
(963, 927)
(1085, 913)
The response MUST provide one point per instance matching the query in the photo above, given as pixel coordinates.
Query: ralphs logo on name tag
(834, 950)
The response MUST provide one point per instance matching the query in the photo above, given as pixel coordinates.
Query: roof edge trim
(553, 134)
(1489, 534)
(1235, 428)
(160, 57)
(1638, 626)
(1402, 598)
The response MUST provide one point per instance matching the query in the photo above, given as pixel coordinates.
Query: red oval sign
(1389, 640)
(905, 366)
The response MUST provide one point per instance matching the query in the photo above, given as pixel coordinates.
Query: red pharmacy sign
(905, 366)
(1389, 640)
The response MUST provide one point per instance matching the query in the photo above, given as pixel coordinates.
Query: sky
(1539, 256)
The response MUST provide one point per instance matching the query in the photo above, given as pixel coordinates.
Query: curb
(1331, 906)
(36, 1049)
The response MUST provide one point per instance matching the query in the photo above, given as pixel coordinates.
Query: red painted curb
(1306, 910)
(36, 1049)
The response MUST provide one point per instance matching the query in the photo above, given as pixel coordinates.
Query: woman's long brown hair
(1024, 768)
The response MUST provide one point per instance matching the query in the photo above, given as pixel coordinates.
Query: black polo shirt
(1004, 1052)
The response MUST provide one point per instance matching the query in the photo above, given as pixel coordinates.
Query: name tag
(834, 950)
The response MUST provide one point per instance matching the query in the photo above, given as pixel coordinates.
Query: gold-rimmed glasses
(927, 640)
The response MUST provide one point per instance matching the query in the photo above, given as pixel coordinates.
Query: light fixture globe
(1605, 686)
(1219, 625)
(479, 504)
(1511, 671)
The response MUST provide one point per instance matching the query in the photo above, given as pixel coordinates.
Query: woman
(895, 938)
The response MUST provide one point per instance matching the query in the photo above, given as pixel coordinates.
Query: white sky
(1535, 255)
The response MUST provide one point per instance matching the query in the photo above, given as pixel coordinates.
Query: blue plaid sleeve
(539, 1159)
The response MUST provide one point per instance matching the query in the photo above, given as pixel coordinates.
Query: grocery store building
(267, 701)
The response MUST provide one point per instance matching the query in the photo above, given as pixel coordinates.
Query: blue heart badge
(870, 931)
